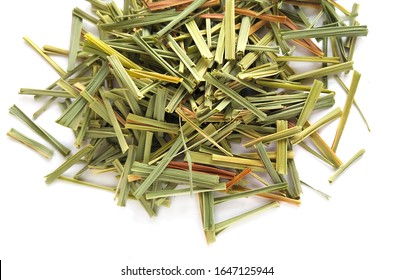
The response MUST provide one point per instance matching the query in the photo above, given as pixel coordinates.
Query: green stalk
(68, 164)
(14, 110)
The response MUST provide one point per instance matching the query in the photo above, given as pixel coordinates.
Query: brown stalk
(202, 168)
(258, 25)
(272, 18)
(275, 197)
(238, 177)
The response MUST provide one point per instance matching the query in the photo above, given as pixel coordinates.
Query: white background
(63, 231)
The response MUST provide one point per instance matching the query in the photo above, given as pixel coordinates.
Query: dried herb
(169, 93)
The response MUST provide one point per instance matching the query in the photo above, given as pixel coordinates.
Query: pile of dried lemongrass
(164, 90)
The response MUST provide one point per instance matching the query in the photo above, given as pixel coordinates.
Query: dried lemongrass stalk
(224, 224)
(268, 164)
(354, 102)
(229, 26)
(336, 113)
(346, 110)
(134, 73)
(115, 123)
(206, 202)
(192, 7)
(310, 102)
(14, 110)
(312, 59)
(52, 63)
(67, 164)
(76, 30)
(40, 148)
(338, 31)
(68, 88)
(45, 92)
(220, 48)
(328, 70)
(185, 191)
(110, 51)
(279, 135)
(54, 50)
(81, 182)
(195, 33)
(238, 177)
(123, 187)
(241, 194)
(243, 36)
(343, 167)
(123, 78)
(282, 149)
